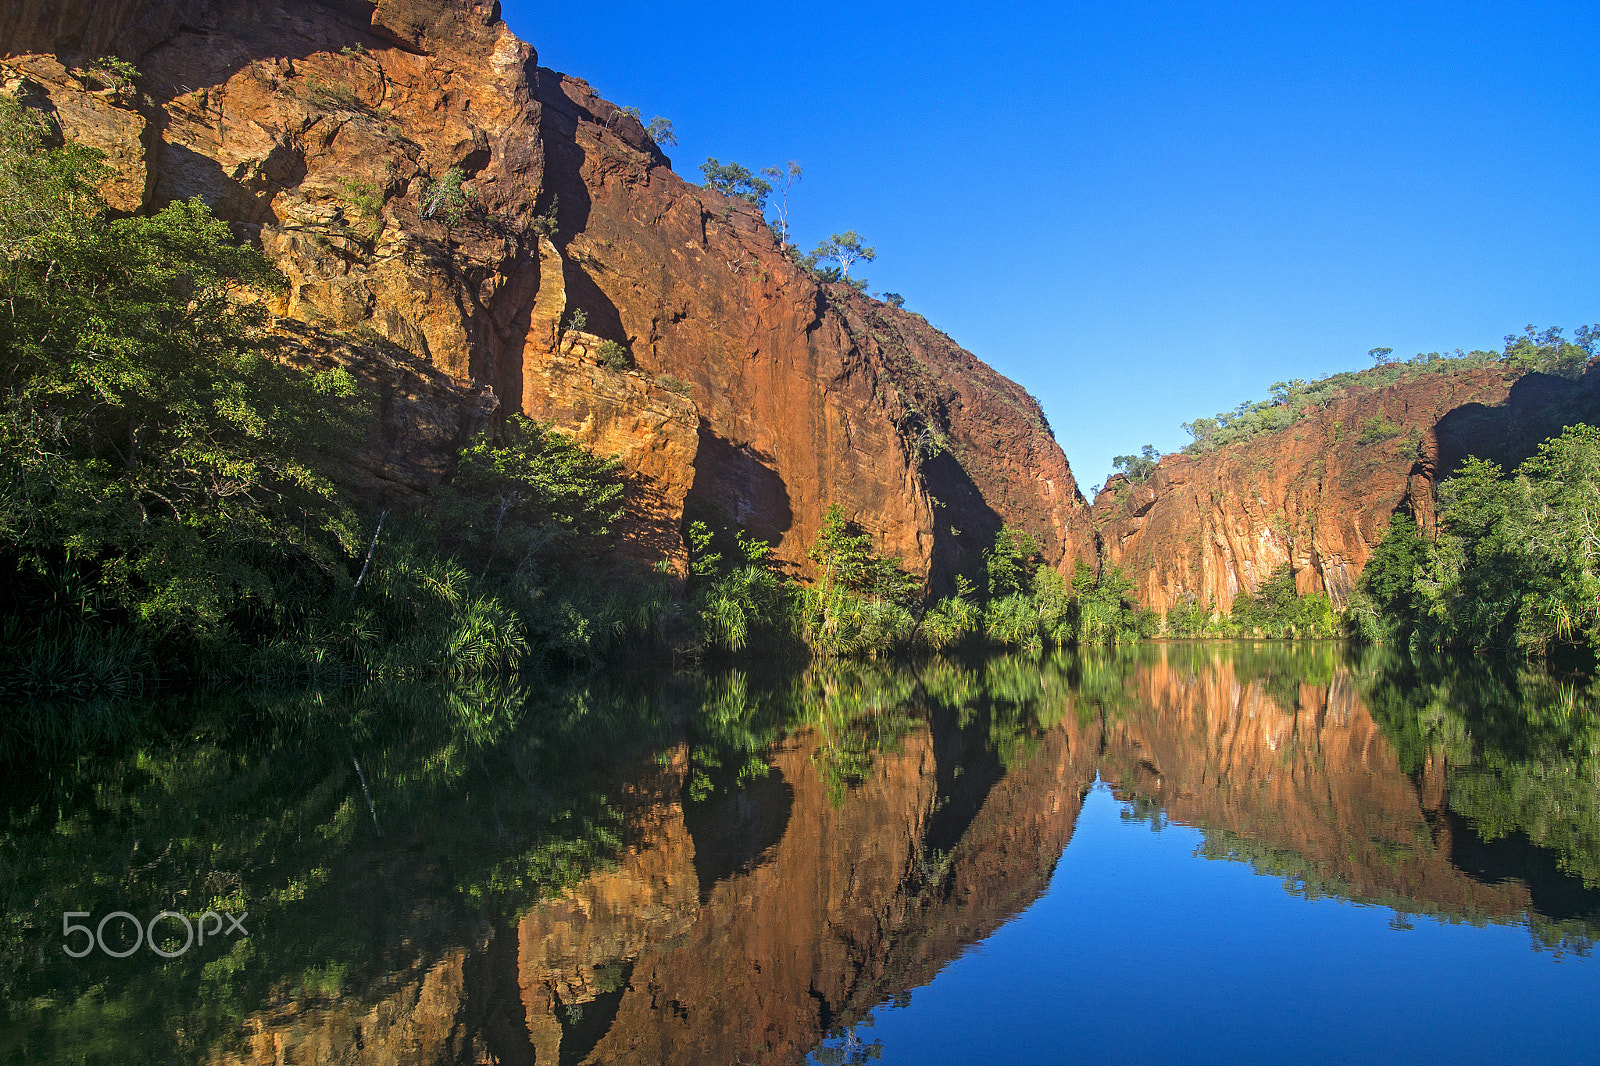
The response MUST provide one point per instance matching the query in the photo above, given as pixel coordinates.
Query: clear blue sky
(1147, 212)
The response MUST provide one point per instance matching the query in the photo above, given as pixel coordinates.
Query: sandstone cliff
(1318, 494)
(442, 207)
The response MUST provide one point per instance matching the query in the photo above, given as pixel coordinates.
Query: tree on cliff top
(735, 179)
(1544, 352)
(660, 130)
(1551, 353)
(844, 249)
(1138, 467)
(785, 179)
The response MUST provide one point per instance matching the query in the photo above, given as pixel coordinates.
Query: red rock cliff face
(1317, 494)
(324, 130)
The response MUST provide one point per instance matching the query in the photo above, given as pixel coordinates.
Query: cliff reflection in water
(732, 868)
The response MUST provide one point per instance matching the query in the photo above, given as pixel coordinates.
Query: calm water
(1195, 852)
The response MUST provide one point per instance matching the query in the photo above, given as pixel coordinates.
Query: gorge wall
(1319, 493)
(329, 132)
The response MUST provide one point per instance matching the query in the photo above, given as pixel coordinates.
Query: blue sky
(1146, 212)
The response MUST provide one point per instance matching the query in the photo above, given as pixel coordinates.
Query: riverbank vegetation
(171, 507)
(1514, 570)
(1274, 611)
(174, 509)
(864, 604)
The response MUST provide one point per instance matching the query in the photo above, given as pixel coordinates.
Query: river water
(1191, 852)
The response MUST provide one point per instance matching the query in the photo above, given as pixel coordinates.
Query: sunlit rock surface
(450, 213)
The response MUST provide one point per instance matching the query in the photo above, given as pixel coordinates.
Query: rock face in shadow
(441, 204)
(1318, 494)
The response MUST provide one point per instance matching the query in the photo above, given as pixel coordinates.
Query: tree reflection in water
(699, 867)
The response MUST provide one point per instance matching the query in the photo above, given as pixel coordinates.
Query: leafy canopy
(149, 439)
(735, 179)
(1138, 467)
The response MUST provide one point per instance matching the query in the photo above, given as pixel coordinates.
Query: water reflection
(731, 867)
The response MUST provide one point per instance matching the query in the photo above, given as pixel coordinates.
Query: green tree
(843, 553)
(1390, 580)
(446, 198)
(1138, 467)
(1188, 618)
(1008, 562)
(660, 130)
(1104, 611)
(1518, 567)
(735, 591)
(523, 491)
(1550, 353)
(844, 249)
(152, 444)
(735, 179)
(785, 179)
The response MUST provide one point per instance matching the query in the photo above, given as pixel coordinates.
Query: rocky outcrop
(1316, 495)
(435, 197)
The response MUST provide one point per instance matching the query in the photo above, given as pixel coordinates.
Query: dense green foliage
(1386, 604)
(863, 604)
(734, 591)
(161, 472)
(169, 498)
(1275, 611)
(1545, 352)
(1515, 569)
(735, 179)
(1137, 467)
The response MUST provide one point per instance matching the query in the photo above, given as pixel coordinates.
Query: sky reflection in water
(1187, 852)
(1144, 951)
